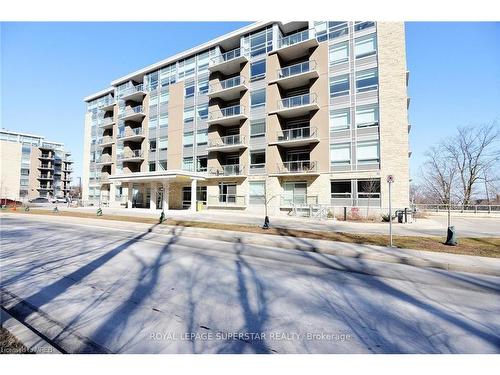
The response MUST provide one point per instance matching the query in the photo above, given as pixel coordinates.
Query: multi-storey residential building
(293, 114)
(32, 167)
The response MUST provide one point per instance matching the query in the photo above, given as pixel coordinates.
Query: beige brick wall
(86, 157)
(10, 169)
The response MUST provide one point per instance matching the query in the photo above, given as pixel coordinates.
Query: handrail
(297, 101)
(132, 90)
(131, 110)
(227, 84)
(227, 112)
(228, 56)
(297, 37)
(295, 69)
(131, 132)
(297, 133)
(301, 166)
(227, 170)
(227, 140)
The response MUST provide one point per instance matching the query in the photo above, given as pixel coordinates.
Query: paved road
(434, 225)
(141, 292)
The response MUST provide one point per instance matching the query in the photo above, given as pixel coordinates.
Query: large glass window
(295, 192)
(163, 143)
(367, 152)
(257, 70)
(339, 53)
(187, 67)
(341, 189)
(369, 188)
(188, 114)
(227, 192)
(187, 164)
(187, 139)
(201, 163)
(203, 86)
(202, 61)
(202, 111)
(367, 115)
(257, 192)
(367, 80)
(201, 137)
(339, 86)
(152, 145)
(163, 120)
(189, 91)
(366, 46)
(340, 154)
(258, 98)
(257, 159)
(257, 127)
(340, 119)
(152, 166)
(260, 42)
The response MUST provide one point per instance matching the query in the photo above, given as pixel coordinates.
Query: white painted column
(152, 196)
(193, 195)
(112, 194)
(166, 188)
(129, 195)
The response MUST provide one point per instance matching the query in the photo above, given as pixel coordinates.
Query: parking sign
(390, 178)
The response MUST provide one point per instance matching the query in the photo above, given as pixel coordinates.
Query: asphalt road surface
(92, 289)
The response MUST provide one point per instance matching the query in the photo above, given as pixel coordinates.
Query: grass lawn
(480, 246)
(9, 344)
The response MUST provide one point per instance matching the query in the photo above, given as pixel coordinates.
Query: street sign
(390, 178)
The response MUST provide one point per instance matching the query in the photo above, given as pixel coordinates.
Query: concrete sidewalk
(431, 226)
(417, 258)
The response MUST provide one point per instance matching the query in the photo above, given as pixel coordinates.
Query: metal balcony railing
(131, 154)
(100, 141)
(227, 170)
(46, 176)
(303, 166)
(105, 158)
(46, 156)
(131, 111)
(228, 140)
(226, 200)
(131, 132)
(297, 133)
(296, 38)
(106, 121)
(226, 84)
(132, 90)
(228, 56)
(46, 166)
(297, 101)
(234, 110)
(295, 69)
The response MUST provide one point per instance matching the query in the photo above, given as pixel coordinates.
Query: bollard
(27, 208)
(345, 213)
(56, 210)
(99, 211)
(162, 217)
(406, 215)
(266, 223)
(451, 239)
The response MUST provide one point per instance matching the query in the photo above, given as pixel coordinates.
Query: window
(152, 166)
(367, 116)
(165, 96)
(162, 165)
(203, 86)
(339, 53)
(340, 119)
(257, 127)
(188, 114)
(258, 98)
(341, 189)
(339, 86)
(340, 154)
(186, 68)
(202, 137)
(163, 143)
(202, 61)
(152, 145)
(368, 152)
(257, 192)
(153, 121)
(257, 159)
(365, 46)
(202, 111)
(227, 193)
(189, 91)
(163, 120)
(369, 188)
(187, 139)
(366, 80)
(361, 25)
(187, 164)
(260, 42)
(295, 193)
(201, 163)
(257, 70)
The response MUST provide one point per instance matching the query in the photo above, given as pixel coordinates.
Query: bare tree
(438, 176)
(474, 151)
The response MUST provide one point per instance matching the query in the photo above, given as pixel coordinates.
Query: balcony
(297, 44)
(66, 179)
(135, 134)
(46, 156)
(226, 200)
(228, 62)
(229, 170)
(104, 177)
(104, 159)
(46, 187)
(108, 104)
(296, 75)
(227, 116)
(302, 167)
(295, 106)
(45, 166)
(228, 89)
(228, 143)
(132, 156)
(135, 93)
(296, 137)
(105, 141)
(46, 177)
(132, 113)
(67, 169)
(107, 123)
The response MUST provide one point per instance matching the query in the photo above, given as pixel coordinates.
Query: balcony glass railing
(105, 158)
(107, 121)
(228, 56)
(101, 141)
(131, 133)
(228, 140)
(131, 111)
(227, 84)
(302, 166)
(296, 38)
(227, 170)
(295, 69)
(297, 133)
(227, 112)
(131, 90)
(132, 154)
(297, 101)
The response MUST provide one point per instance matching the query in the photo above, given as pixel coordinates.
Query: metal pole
(449, 211)
(390, 216)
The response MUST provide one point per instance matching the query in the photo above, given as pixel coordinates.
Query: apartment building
(293, 115)
(32, 167)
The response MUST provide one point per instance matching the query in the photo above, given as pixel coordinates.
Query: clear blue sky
(47, 69)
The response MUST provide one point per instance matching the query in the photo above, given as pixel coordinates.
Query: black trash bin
(400, 216)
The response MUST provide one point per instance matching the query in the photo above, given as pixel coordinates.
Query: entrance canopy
(157, 176)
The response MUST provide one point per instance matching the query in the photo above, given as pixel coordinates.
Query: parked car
(39, 200)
